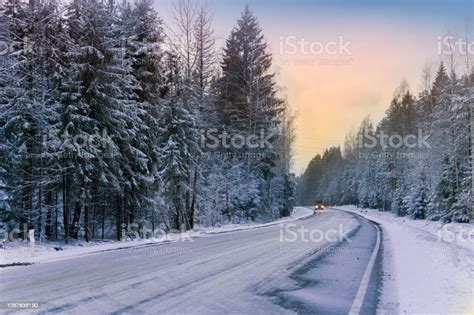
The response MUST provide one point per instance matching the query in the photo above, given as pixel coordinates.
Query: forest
(105, 115)
(416, 162)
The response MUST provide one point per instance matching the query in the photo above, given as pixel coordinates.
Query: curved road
(316, 265)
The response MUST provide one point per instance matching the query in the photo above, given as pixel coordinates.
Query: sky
(340, 61)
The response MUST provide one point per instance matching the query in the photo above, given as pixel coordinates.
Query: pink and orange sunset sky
(388, 42)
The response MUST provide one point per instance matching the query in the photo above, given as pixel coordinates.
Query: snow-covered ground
(14, 253)
(428, 267)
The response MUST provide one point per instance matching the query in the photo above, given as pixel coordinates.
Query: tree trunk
(49, 215)
(94, 217)
(40, 211)
(65, 210)
(25, 210)
(193, 201)
(229, 214)
(56, 221)
(103, 216)
(131, 216)
(86, 221)
(119, 218)
(75, 220)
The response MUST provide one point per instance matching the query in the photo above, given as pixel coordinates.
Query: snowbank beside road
(427, 267)
(297, 214)
(22, 253)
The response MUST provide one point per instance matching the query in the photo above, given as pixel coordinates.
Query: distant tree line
(430, 179)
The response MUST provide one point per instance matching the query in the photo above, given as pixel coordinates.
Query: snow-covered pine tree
(461, 209)
(179, 149)
(28, 83)
(141, 36)
(248, 102)
(420, 201)
(100, 100)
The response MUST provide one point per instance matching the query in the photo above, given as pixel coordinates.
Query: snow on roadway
(23, 253)
(211, 275)
(424, 273)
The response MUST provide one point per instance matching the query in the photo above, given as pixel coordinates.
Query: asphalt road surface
(325, 264)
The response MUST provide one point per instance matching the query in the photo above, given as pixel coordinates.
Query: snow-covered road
(275, 269)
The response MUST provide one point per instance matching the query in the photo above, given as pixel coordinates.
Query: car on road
(319, 206)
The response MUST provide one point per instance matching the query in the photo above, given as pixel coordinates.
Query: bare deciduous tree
(181, 38)
(205, 41)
